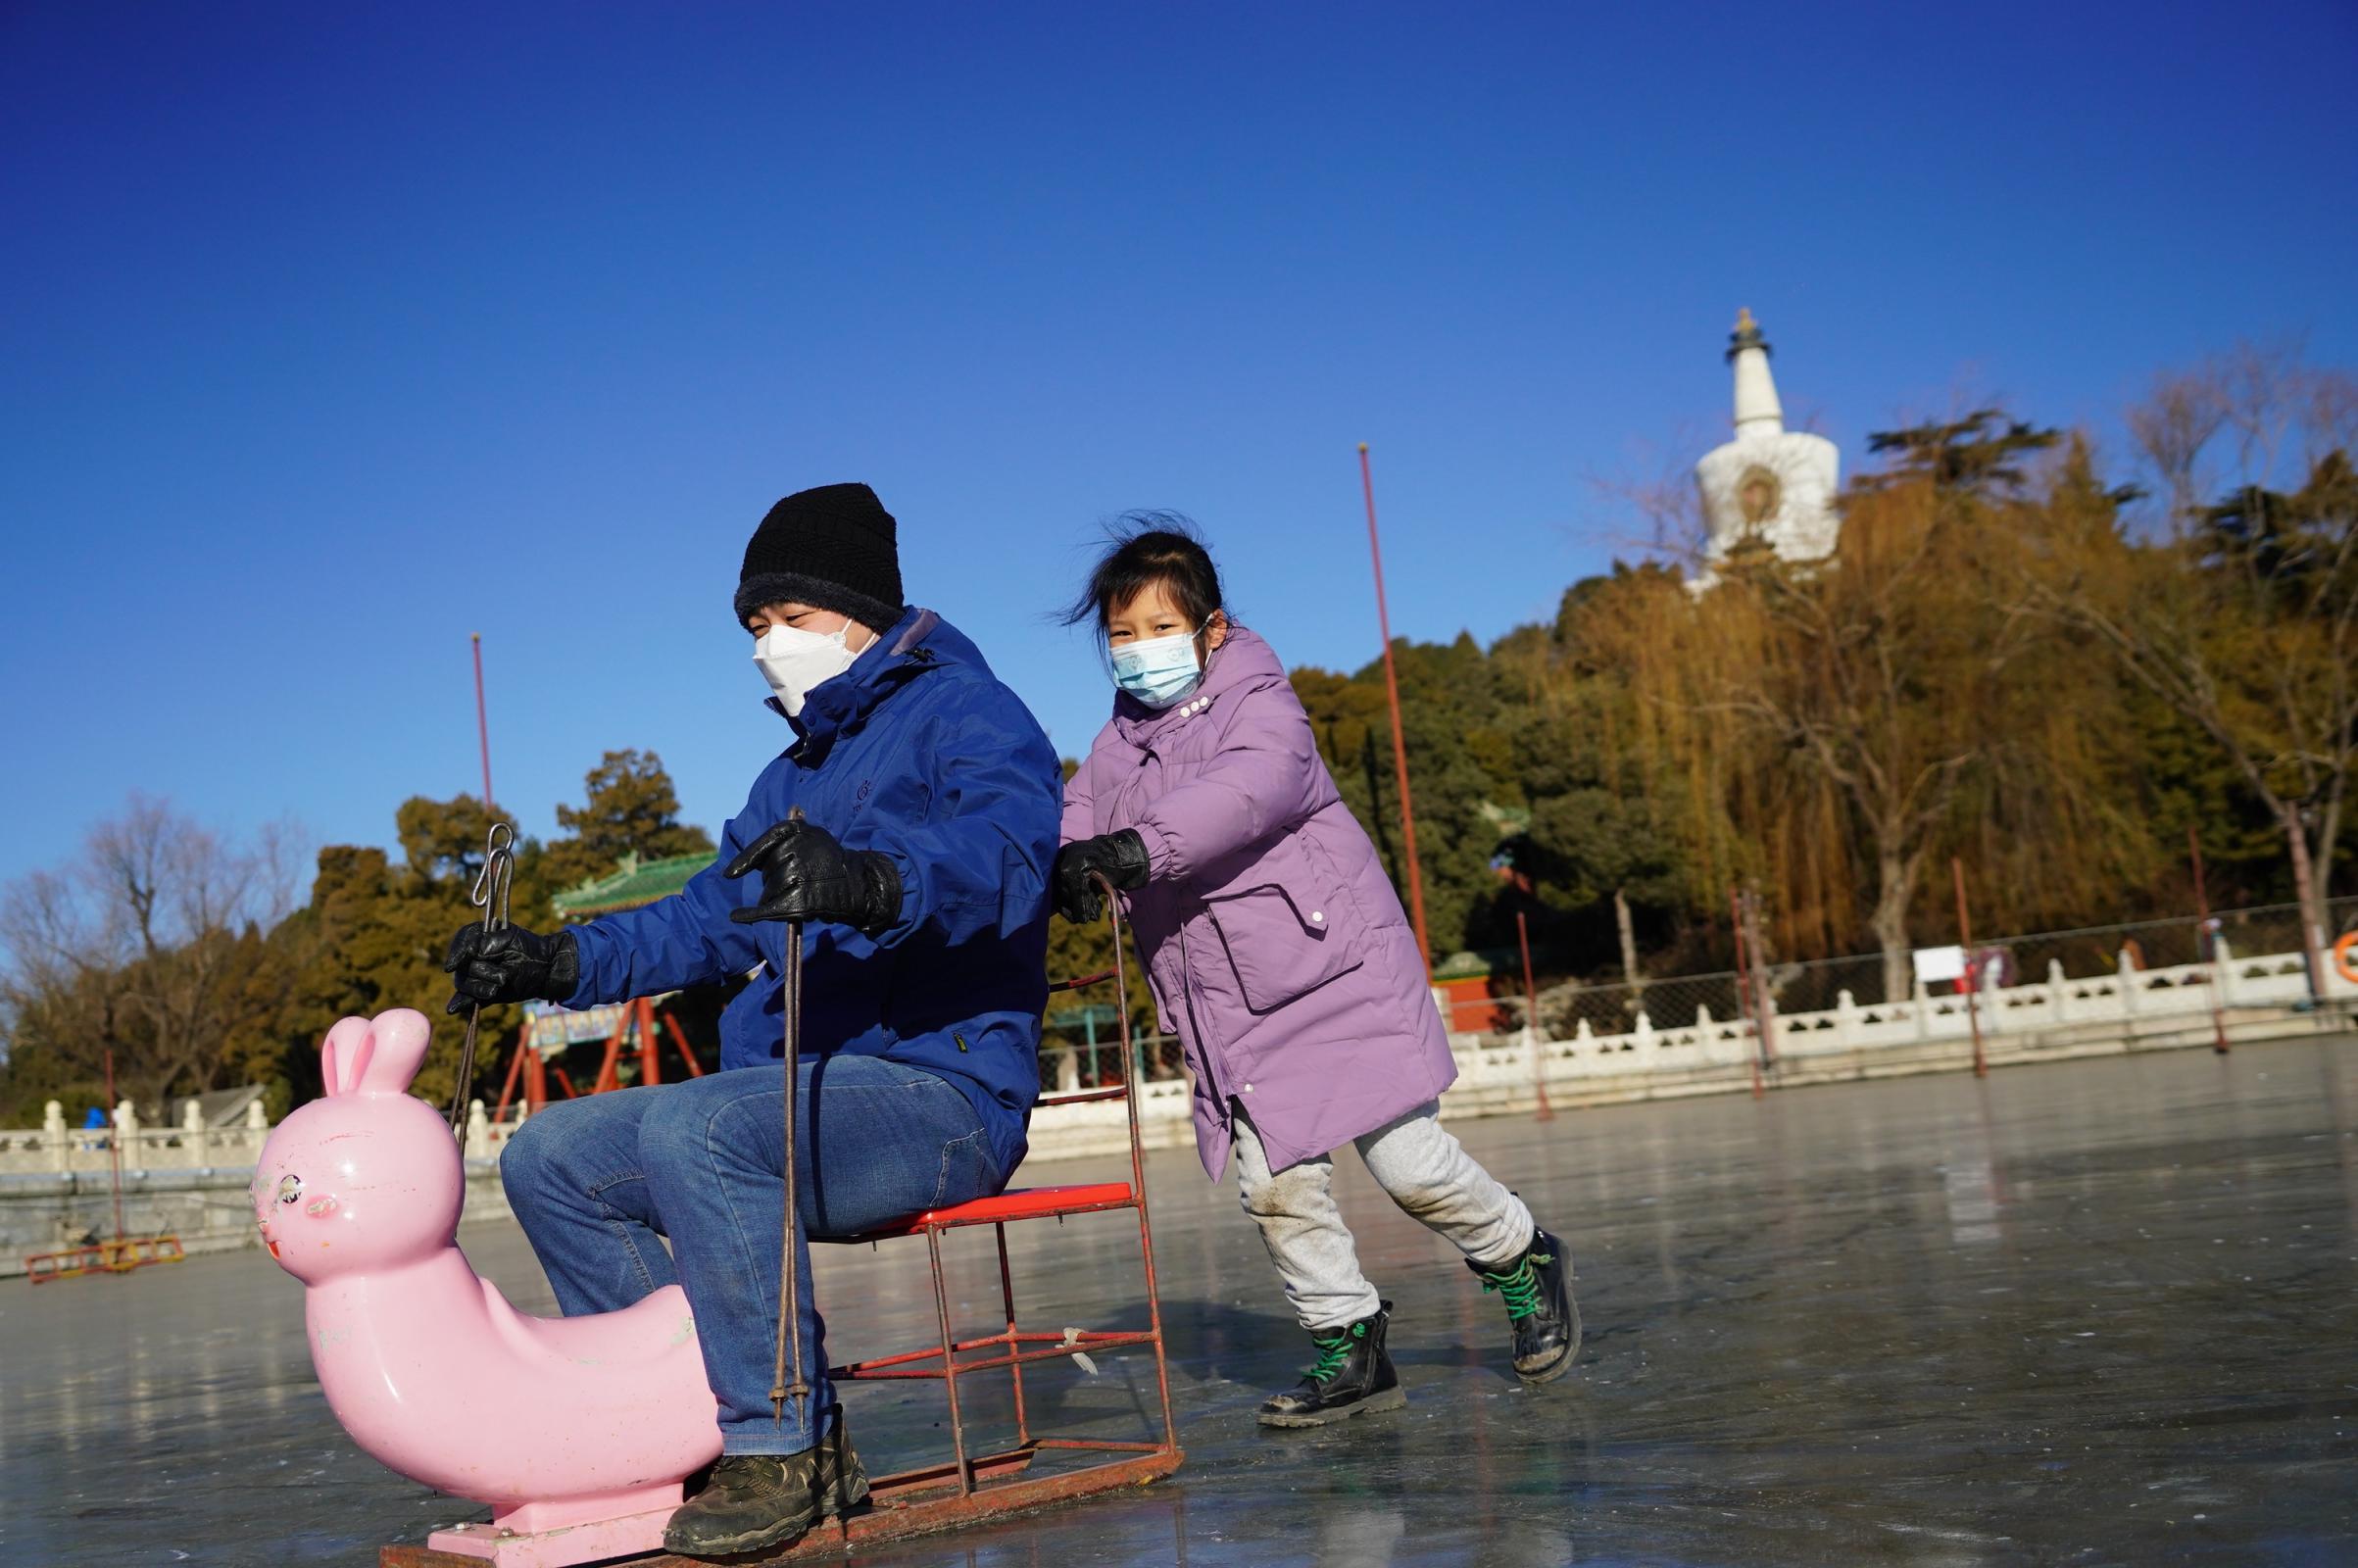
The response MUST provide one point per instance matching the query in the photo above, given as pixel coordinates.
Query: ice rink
(2097, 1312)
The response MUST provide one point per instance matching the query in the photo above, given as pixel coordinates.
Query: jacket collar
(837, 706)
(1241, 660)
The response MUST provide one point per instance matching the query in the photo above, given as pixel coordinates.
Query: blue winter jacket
(917, 752)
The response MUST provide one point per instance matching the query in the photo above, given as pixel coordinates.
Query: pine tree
(629, 807)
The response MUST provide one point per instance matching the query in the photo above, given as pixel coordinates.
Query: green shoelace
(1332, 1353)
(1520, 1286)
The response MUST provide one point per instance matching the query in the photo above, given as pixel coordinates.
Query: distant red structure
(626, 1027)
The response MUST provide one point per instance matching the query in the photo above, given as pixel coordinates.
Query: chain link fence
(1496, 1005)
(1069, 1060)
(2269, 930)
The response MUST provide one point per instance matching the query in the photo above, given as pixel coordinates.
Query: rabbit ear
(398, 1040)
(344, 1056)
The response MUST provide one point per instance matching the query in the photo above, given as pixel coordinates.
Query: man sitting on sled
(929, 803)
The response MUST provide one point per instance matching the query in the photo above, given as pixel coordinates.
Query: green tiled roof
(633, 883)
(1475, 965)
(1505, 820)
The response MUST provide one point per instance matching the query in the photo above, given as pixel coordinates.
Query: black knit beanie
(833, 548)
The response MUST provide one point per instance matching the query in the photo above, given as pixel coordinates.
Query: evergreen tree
(374, 937)
(629, 807)
(1981, 454)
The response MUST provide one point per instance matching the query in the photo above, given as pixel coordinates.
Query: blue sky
(334, 333)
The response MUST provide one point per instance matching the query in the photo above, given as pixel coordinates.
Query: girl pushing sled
(1276, 947)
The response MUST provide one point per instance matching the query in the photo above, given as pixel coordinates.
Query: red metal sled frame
(973, 1486)
(118, 1257)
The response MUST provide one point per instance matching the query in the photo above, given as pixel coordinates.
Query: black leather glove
(510, 964)
(806, 875)
(1119, 858)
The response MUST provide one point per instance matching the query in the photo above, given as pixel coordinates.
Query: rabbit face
(368, 1177)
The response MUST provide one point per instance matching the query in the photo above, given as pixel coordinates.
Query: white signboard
(1935, 965)
(551, 1028)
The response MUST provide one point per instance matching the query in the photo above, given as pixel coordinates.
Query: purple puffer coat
(1271, 937)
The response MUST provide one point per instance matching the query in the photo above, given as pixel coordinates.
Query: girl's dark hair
(1148, 548)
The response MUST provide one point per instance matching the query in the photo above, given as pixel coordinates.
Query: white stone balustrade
(2125, 1007)
(60, 1148)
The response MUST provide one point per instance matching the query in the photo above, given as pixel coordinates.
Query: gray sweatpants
(1420, 1166)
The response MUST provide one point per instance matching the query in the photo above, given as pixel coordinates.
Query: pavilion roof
(630, 885)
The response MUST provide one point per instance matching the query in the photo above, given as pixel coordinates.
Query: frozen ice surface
(2095, 1312)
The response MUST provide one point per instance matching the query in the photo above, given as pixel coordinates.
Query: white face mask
(797, 662)
(1160, 670)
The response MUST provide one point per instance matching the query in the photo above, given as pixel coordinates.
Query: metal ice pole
(790, 1280)
(490, 895)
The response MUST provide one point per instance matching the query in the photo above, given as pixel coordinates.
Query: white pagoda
(1770, 491)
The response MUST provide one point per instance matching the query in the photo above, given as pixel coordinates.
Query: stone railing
(2129, 1008)
(54, 1147)
(191, 1179)
(191, 1145)
(59, 1184)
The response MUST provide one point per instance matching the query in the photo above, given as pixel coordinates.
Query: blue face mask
(1159, 672)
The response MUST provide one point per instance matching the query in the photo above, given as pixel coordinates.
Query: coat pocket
(1280, 950)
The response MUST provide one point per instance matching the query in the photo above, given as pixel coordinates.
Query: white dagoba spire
(1757, 406)
(1770, 491)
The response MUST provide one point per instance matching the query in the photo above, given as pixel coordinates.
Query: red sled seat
(975, 1485)
(1018, 1203)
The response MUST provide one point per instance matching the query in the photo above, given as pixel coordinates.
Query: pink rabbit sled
(576, 1431)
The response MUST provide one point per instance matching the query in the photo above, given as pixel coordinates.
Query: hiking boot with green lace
(757, 1501)
(1537, 1288)
(1352, 1375)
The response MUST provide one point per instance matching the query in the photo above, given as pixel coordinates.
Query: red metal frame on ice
(948, 1359)
(118, 1257)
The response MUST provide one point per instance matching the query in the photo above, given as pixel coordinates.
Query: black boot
(1538, 1288)
(1354, 1374)
(759, 1500)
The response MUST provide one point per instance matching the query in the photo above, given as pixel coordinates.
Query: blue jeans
(597, 1181)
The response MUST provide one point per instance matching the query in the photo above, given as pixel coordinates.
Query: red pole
(1973, 976)
(1758, 950)
(516, 1067)
(650, 1066)
(1399, 742)
(608, 1077)
(1744, 984)
(482, 722)
(115, 1146)
(1531, 1017)
(2202, 929)
(695, 1069)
